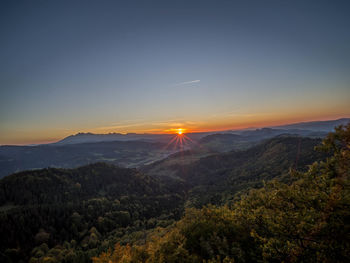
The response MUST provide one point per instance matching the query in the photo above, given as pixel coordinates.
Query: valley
(77, 214)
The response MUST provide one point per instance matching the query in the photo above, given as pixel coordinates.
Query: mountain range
(137, 150)
(75, 214)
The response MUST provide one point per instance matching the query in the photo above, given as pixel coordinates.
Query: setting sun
(179, 131)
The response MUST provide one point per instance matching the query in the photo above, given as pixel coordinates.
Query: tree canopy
(307, 220)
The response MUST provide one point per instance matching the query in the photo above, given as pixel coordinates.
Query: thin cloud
(121, 126)
(187, 82)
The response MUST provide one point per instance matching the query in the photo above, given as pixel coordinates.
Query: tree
(306, 220)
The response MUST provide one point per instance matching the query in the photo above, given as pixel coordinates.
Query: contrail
(187, 82)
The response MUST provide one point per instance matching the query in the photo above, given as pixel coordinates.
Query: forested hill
(48, 186)
(306, 220)
(215, 178)
(265, 161)
(271, 156)
(74, 214)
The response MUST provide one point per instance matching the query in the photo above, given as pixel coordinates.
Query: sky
(154, 66)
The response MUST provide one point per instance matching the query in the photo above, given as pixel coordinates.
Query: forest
(286, 199)
(306, 220)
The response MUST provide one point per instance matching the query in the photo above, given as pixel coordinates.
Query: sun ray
(170, 142)
(180, 141)
(176, 143)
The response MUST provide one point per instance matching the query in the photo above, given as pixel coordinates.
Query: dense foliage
(72, 214)
(305, 221)
(76, 215)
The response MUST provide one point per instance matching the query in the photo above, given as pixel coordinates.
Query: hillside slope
(306, 220)
(219, 176)
(88, 207)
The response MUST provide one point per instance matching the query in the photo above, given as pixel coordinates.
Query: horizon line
(46, 142)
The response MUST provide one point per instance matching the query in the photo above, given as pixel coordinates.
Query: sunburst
(180, 131)
(180, 140)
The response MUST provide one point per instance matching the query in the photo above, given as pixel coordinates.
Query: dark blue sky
(150, 66)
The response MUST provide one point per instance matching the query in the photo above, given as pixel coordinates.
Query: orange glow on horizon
(179, 131)
(179, 141)
(177, 127)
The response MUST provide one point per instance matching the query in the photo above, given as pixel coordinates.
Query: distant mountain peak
(326, 126)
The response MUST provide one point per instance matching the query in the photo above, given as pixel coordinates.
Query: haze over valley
(174, 131)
